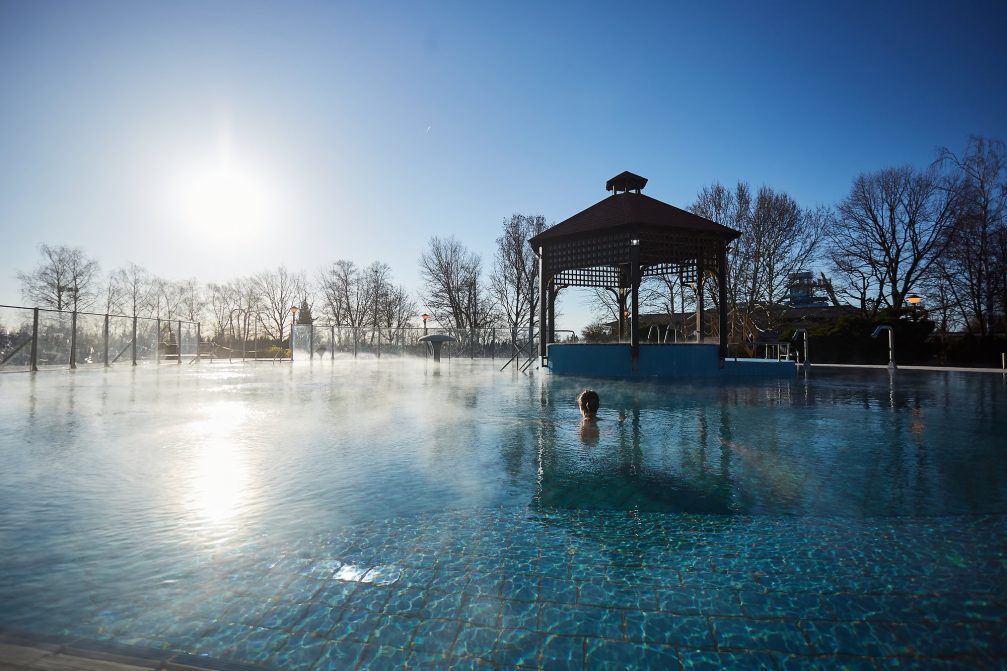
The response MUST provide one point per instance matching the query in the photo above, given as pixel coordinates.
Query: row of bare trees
(67, 279)
(364, 297)
(937, 231)
(456, 293)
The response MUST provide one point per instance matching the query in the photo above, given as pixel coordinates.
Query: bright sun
(226, 199)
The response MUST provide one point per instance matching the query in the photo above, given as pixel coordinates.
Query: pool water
(399, 513)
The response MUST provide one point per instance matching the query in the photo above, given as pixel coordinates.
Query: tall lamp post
(425, 317)
(293, 323)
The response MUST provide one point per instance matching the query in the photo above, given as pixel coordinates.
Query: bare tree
(786, 237)
(110, 299)
(973, 266)
(452, 289)
(135, 288)
(734, 210)
(514, 279)
(378, 280)
(889, 232)
(64, 279)
(398, 310)
(653, 298)
(166, 299)
(192, 301)
(279, 290)
(345, 294)
(222, 301)
(247, 305)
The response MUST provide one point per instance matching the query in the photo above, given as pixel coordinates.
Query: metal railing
(331, 341)
(36, 338)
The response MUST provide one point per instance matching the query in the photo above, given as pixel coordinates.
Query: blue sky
(359, 130)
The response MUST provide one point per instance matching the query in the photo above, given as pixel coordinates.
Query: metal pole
(199, 339)
(157, 348)
(332, 343)
(105, 338)
(179, 339)
(891, 348)
(293, 323)
(73, 340)
(34, 340)
(134, 340)
(891, 344)
(379, 343)
(311, 343)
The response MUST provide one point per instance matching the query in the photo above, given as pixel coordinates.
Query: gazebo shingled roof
(620, 240)
(632, 210)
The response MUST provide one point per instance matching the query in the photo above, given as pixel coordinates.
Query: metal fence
(38, 338)
(328, 341)
(34, 339)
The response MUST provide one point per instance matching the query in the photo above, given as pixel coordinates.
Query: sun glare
(226, 197)
(216, 475)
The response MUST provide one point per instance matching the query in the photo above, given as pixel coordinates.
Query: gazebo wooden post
(722, 293)
(621, 294)
(552, 313)
(699, 297)
(634, 281)
(543, 312)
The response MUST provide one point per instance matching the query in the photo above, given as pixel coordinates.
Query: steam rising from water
(126, 463)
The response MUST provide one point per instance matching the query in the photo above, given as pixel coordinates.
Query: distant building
(807, 292)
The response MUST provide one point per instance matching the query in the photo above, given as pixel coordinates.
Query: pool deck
(33, 654)
(946, 369)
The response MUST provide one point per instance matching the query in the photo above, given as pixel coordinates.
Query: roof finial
(625, 181)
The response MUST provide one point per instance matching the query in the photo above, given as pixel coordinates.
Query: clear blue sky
(216, 139)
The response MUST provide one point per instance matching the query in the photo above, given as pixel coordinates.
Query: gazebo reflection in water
(615, 244)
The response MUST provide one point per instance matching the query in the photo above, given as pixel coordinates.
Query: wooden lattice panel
(599, 276)
(602, 261)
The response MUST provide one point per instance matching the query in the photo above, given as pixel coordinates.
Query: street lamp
(913, 299)
(424, 317)
(293, 323)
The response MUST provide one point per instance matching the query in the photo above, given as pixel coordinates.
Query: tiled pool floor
(507, 588)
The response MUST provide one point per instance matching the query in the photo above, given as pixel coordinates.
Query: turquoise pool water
(378, 514)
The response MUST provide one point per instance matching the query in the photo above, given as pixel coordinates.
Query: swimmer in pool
(588, 403)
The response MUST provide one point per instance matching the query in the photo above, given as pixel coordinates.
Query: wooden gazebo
(617, 242)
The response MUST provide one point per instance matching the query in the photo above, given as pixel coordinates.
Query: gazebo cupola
(625, 182)
(622, 239)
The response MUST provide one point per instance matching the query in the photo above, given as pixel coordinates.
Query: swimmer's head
(588, 402)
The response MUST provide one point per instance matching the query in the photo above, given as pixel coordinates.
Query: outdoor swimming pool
(376, 514)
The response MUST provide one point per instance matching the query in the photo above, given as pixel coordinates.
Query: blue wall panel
(658, 362)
